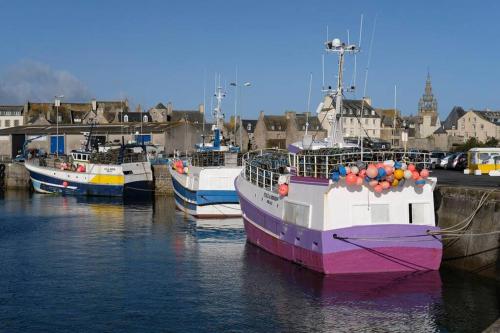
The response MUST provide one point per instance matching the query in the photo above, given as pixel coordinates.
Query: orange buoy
(283, 189)
(65, 184)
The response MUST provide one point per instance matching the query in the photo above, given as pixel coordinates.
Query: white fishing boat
(120, 172)
(204, 184)
(335, 208)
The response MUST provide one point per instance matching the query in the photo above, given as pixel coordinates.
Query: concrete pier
(163, 180)
(476, 212)
(16, 176)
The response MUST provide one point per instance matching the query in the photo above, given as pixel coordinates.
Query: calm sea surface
(96, 265)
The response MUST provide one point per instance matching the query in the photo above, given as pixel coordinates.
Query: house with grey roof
(11, 115)
(282, 130)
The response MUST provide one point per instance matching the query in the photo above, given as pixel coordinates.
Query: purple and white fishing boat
(335, 208)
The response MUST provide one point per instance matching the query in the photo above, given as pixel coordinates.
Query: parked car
(458, 161)
(436, 157)
(447, 161)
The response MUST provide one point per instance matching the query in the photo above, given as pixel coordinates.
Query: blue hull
(43, 183)
(204, 197)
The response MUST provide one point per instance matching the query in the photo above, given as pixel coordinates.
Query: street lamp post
(237, 85)
(57, 104)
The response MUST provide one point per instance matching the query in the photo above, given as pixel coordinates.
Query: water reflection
(302, 299)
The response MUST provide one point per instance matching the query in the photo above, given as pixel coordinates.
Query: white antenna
(394, 117)
(366, 79)
(235, 105)
(327, 32)
(204, 105)
(355, 74)
(309, 102)
(323, 70)
(348, 40)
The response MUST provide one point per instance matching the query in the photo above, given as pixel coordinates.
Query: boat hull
(385, 248)
(205, 203)
(44, 183)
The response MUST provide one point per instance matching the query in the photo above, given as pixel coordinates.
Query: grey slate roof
(275, 123)
(314, 123)
(491, 116)
(251, 122)
(355, 106)
(452, 120)
(189, 115)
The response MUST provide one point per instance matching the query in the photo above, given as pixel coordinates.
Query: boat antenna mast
(336, 137)
(218, 115)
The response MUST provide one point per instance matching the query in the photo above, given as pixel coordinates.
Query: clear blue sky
(152, 51)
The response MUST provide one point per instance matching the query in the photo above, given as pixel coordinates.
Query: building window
(145, 119)
(373, 121)
(16, 122)
(125, 118)
(249, 127)
(366, 121)
(7, 122)
(272, 127)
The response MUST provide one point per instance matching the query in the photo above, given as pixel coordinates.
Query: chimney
(169, 108)
(368, 100)
(201, 108)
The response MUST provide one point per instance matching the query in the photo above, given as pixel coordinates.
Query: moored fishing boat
(337, 208)
(204, 184)
(122, 172)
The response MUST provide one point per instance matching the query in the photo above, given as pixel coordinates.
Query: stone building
(427, 120)
(161, 113)
(358, 117)
(481, 125)
(104, 112)
(391, 125)
(11, 115)
(280, 131)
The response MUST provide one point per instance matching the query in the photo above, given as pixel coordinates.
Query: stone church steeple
(428, 117)
(427, 103)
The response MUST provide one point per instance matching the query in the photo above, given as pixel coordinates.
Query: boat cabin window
(297, 214)
(417, 212)
(376, 214)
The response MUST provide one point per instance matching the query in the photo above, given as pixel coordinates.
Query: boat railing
(261, 175)
(263, 178)
(321, 166)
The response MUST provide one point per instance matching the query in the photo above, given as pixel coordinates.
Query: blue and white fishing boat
(121, 172)
(204, 184)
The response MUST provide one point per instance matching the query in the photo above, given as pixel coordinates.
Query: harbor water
(77, 264)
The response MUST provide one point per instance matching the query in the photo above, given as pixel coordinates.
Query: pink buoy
(359, 181)
(415, 175)
(424, 173)
(283, 190)
(373, 183)
(388, 170)
(378, 188)
(65, 184)
(385, 185)
(350, 179)
(372, 171)
(411, 167)
(362, 173)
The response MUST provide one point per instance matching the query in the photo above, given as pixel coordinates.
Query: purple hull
(360, 249)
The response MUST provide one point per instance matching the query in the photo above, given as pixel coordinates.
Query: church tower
(427, 111)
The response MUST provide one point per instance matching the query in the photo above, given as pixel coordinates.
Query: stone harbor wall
(472, 218)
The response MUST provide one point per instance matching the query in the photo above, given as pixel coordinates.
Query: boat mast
(218, 115)
(336, 136)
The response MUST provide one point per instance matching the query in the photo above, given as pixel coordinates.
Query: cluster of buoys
(380, 176)
(180, 166)
(64, 166)
(81, 168)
